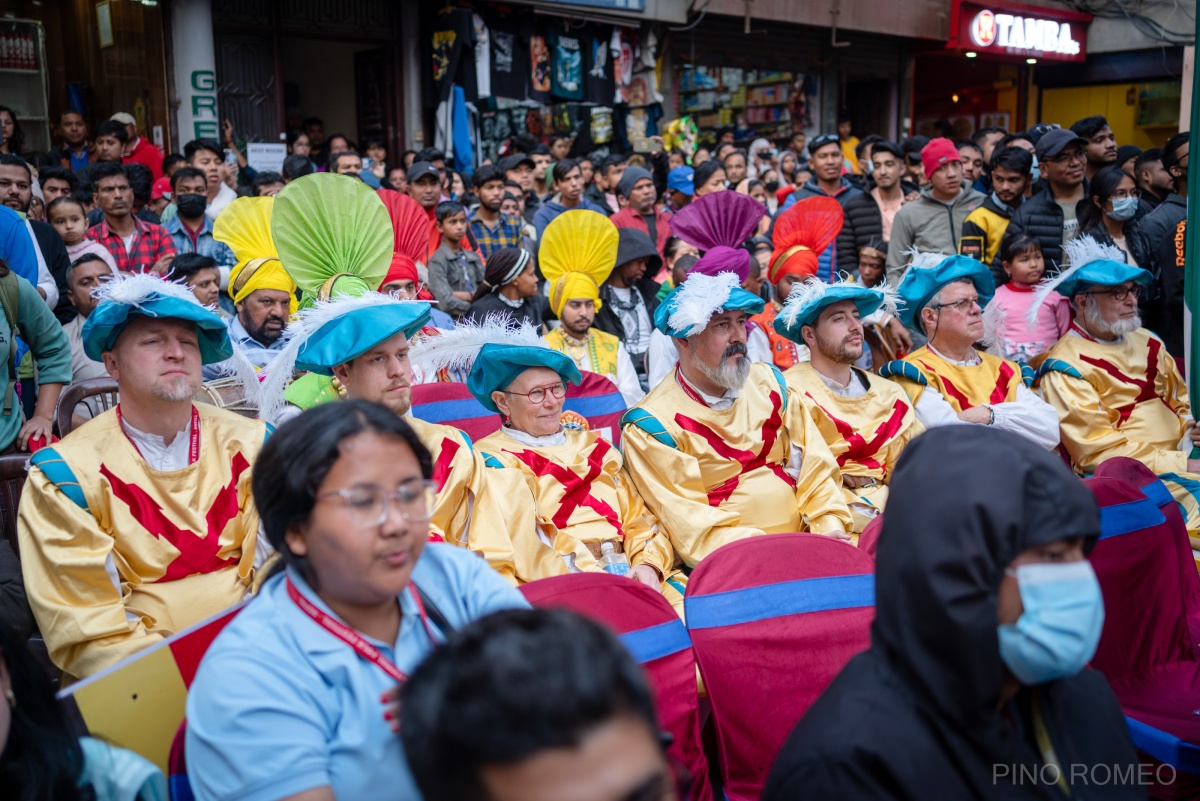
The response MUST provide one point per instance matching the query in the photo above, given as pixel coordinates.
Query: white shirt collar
(557, 438)
(971, 362)
(718, 402)
(854, 389)
(156, 452)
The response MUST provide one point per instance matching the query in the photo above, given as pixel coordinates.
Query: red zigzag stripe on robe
(577, 491)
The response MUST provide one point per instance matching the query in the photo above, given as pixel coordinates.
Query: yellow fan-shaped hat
(578, 251)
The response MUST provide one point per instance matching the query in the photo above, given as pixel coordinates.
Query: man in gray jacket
(933, 222)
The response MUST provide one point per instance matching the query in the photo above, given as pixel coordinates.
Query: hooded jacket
(915, 715)
(930, 226)
(983, 232)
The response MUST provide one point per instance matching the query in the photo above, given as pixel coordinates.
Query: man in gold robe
(1116, 389)
(866, 420)
(722, 449)
(950, 381)
(140, 523)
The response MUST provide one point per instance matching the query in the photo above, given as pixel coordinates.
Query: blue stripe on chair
(596, 405)
(655, 642)
(1123, 518)
(1165, 747)
(1158, 493)
(776, 600)
(449, 410)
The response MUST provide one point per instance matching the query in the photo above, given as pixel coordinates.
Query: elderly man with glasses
(1115, 388)
(948, 380)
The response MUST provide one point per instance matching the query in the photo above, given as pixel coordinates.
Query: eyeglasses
(1075, 155)
(368, 503)
(1119, 293)
(538, 394)
(964, 306)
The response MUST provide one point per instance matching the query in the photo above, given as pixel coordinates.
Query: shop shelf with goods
(23, 80)
(717, 96)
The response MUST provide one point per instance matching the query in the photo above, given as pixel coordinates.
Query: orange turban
(801, 234)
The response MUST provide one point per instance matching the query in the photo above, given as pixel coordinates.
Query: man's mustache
(736, 349)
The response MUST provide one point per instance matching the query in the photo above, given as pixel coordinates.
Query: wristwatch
(991, 414)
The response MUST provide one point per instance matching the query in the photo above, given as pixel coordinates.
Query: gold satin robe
(153, 553)
(993, 380)
(1131, 401)
(726, 479)
(865, 435)
(583, 487)
(489, 511)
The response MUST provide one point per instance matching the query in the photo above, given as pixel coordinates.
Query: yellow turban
(265, 273)
(245, 225)
(577, 252)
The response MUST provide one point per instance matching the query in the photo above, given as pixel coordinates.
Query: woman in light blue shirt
(292, 701)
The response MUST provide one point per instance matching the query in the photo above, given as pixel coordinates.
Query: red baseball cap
(938, 152)
(161, 189)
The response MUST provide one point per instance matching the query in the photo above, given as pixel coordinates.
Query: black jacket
(534, 310)
(863, 226)
(1167, 319)
(915, 716)
(57, 262)
(609, 321)
(594, 194)
(1041, 218)
(14, 608)
(1159, 225)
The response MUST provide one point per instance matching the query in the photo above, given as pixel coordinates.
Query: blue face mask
(1057, 634)
(1123, 208)
(1036, 172)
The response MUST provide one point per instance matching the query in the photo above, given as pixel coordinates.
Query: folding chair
(12, 482)
(596, 399)
(653, 633)
(869, 539)
(773, 620)
(1147, 651)
(103, 389)
(177, 779)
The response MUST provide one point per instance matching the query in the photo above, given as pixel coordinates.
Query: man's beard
(1095, 322)
(839, 352)
(264, 336)
(579, 327)
(733, 370)
(177, 389)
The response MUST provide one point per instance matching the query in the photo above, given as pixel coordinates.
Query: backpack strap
(782, 385)
(649, 423)
(1058, 366)
(10, 298)
(60, 474)
(902, 369)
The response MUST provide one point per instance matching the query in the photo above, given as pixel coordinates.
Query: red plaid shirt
(150, 243)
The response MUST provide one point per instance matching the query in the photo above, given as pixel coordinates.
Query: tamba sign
(1018, 31)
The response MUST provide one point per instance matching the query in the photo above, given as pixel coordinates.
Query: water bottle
(613, 561)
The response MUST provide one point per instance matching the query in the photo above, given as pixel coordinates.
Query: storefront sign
(1021, 32)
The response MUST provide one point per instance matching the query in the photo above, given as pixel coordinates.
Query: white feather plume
(309, 320)
(1080, 252)
(275, 379)
(923, 260)
(995, 326)
(814, 289)
(457, 349)
(891, 298)
(698, 299)
(140, 288)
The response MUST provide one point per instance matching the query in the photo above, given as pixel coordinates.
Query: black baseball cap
(1055, 141)
(420, 169)
(516, 160)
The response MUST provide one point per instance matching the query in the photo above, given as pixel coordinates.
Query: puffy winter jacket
(1041, 218)
(863, 227)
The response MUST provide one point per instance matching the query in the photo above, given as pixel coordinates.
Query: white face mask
(1123, 208)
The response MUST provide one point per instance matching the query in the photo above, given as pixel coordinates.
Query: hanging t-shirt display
(483, 56)
(510, 68)
(597, 65)
(643, 85)
(539, 68)
(566, 60)
(453, 32)
(623, 47)
(602, 125)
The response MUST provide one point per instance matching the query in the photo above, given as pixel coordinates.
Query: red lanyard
(351, 637)
(193, 444)
(1075, 327)
(687, 389)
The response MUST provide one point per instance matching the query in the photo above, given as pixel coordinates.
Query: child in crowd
(454, 273)
(871, 264)
(202, 276)
(69, 218)
(1012, 335)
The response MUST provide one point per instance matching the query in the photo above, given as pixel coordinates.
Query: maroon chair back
(773, 620)
(654, 634)
(105, 390)
(869, 539)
